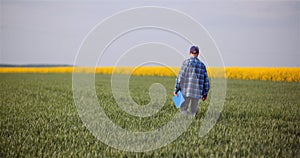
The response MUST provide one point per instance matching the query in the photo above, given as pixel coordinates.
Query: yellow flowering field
(36, 69)
(244, 73)
(273, 74)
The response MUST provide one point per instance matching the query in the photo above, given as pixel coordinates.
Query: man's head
(194, 51)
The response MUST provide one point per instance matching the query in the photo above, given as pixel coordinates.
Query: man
(192, 81)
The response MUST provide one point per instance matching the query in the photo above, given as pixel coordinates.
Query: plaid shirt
(192, 79)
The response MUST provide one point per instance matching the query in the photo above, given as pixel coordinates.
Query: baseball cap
(194, 50)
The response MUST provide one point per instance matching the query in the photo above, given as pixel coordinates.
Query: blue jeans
(185, 104)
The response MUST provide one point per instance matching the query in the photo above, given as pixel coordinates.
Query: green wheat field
(39, 119)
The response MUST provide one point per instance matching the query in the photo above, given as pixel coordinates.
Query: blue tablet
(178, 100)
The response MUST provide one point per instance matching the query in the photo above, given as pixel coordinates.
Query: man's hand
(204, 98)
(174, 93)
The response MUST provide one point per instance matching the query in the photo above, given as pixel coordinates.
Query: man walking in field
(192, 81)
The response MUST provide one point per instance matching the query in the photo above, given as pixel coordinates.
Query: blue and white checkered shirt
(192, 79)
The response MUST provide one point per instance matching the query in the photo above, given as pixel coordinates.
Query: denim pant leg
(194, 105)
(184, 106)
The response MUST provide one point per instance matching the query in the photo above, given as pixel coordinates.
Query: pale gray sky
(247, 33)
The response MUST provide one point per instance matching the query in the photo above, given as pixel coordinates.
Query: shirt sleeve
(180, 77)
(206, 85)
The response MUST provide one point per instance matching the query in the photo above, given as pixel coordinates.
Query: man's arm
(205, 85)
(179, 78)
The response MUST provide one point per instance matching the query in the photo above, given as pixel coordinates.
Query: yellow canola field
(274, 74)
(288, 74)
(36, 69)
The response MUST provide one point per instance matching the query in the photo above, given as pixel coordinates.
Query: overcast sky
(247, 33)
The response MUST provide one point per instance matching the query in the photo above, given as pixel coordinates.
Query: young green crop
(39, 119)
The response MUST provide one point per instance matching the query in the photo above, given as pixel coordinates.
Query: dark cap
(194, 50)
